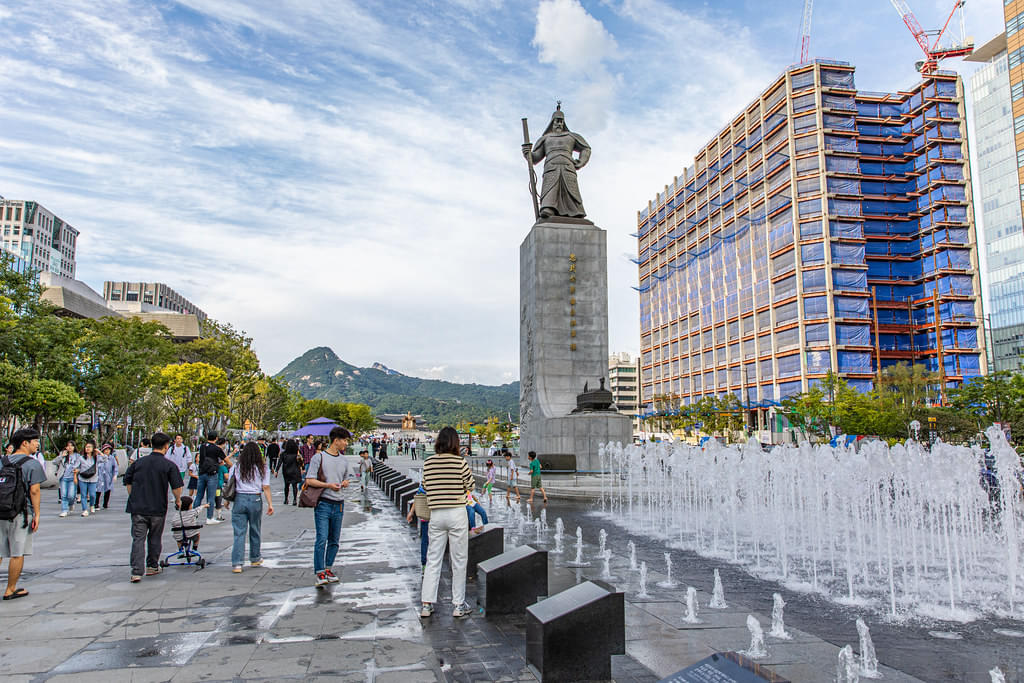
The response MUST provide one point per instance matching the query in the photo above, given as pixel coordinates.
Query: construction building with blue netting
(824, 229)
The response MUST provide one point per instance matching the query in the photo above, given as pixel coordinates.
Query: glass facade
(821, 230)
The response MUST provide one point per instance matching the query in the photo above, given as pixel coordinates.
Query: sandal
(18, 593)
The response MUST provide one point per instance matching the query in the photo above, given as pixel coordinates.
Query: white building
(623, 382)
(34, 234)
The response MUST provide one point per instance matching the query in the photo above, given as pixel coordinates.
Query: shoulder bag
(421, 504)
(89, 471)
(310, 495)
(228, 492)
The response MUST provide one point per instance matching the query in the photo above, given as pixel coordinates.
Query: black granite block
(395, 484)
(405, 500)
(397, 493)
(485, 545)
(510, 582)
(572, 635)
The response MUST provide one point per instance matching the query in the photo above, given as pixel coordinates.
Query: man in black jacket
(273, 453)
(209, 459)
(147, 480)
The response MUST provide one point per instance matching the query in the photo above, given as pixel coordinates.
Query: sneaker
(331, 578)
(136, 578)
(236, 569)
(321, 579)
(256, 563)
(213, 521)
(152, 571)
(85, 513)
(92, 509)
(63, 514)
(462, 610)
(426, 610)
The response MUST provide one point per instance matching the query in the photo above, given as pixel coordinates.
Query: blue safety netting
(856, 335)
(816, 333)
(849, 254)
(815, 307)
(849, 280)
(787, 389)
(854, 361)
(851, 307)
(818, 361)
(814, 280)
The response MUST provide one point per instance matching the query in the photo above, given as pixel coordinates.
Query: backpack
(13, 490)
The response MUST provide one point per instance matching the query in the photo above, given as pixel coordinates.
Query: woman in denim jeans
(252, 480)
(67, 484)
(87, 485)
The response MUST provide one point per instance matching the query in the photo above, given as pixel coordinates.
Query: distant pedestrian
(492, 473)
(16, 533)
(147, 481)
(106, 475)
(142, 451)
(365, 468)
(330, 471)
(85, 473)
(274, 456)
(307, 451)
(535, 482)
(67, 482)
(291, 470)
(209, 459)
(252, 484)
(446, 479)
(180, 455)
(513, 477)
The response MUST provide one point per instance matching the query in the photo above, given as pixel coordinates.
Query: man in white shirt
(180, 455)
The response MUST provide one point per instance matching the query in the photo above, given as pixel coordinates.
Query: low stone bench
(483, 546)
(512, 581)
(571, 636)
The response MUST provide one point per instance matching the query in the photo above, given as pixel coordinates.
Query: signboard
(725, 667)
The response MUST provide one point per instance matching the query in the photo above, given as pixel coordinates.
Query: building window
(1018, 124)
(1017, 90)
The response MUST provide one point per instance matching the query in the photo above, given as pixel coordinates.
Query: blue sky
(347, 173)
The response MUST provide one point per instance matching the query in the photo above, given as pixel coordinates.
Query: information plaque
(725, 667)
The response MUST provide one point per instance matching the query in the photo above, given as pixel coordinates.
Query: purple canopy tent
(321, 426)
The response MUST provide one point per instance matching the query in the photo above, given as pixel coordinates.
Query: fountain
(903, 526)
(846, 669)
(997, 675)
(606, 570)
(544, 519)
(868, 660)
(537, 528)
(559, 533)
(602, 540)
(718, 594)
(632, 556)
(778, 629)
(578, 562)
(757, 649)
(691, 606)
(668, 582)
(642, 593)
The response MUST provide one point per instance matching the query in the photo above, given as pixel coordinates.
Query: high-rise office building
(623, 382)
(38, 237)
(822, 229)
(151, 297)
(998, 162)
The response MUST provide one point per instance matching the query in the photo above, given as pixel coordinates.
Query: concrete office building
(147, 297)
(38, 237)
(624, 383)
(821, 229)
(997, 163)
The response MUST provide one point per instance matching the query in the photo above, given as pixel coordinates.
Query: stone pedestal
(563, 340)
(512, 581)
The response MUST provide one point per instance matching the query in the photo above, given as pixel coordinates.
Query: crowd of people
(224, 477)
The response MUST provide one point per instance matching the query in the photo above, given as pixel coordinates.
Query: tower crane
(805, 31)
(933, 51)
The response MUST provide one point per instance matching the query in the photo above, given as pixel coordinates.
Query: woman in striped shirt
(446, 479)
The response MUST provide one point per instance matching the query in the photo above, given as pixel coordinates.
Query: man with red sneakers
(329, 470)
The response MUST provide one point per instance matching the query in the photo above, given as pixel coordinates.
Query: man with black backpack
(210, 458)
(20, 478)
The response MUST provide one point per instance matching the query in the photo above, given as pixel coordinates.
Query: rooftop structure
(147, 297)
(823, 229)
(624, 383)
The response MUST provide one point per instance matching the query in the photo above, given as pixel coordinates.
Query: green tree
(191, 392)
(14, 391)
(116, 363)
(47, 400)
(222, 346)
(360, 418)
(996, 397)
(265, 405)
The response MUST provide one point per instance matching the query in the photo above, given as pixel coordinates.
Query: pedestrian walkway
(83, 621)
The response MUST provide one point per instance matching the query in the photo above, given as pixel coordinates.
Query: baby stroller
(185, 533)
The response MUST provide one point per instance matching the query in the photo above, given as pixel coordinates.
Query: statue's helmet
(557, 115)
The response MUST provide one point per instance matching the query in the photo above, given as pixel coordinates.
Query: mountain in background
(319, 373)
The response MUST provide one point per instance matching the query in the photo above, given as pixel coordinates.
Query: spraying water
(643, 582)
(668, 582)
(559, 533)
(868, 660)
(997, 675)
(778, 629)
(537, 528)
(892, 526)
(846, 668)
(578, 562)
(718, 594)
(691, 606)
(602, 540)
(544, 519)
(606, 570)
(757, 650)
(632, 556)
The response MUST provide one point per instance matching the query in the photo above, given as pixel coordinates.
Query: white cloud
(569, 37)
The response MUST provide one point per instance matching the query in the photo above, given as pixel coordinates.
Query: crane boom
(805, 31)
(912, 23)
(933, 52)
